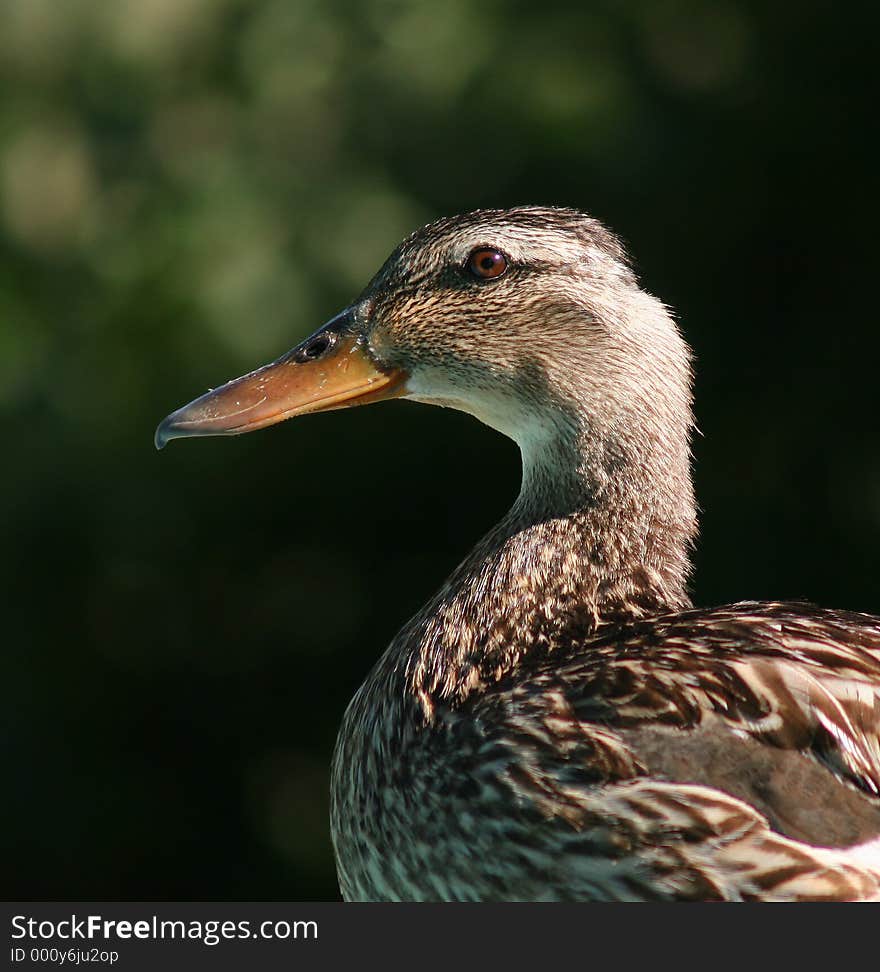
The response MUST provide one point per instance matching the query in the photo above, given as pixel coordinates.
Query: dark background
(191, 186)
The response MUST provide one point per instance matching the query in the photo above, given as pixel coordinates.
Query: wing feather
(733, 752)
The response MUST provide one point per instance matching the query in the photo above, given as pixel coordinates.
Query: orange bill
(331, 369)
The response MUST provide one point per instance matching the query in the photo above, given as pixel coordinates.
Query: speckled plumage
(706, 754)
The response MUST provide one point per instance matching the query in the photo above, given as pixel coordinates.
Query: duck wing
(787, 694)
(733, 752)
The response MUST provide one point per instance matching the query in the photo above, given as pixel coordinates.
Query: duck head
(530, 319)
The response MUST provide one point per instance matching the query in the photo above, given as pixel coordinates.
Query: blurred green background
(189, 187)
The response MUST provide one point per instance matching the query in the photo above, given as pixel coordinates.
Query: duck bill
(331, 369)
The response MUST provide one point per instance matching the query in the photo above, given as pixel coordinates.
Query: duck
(559, 722)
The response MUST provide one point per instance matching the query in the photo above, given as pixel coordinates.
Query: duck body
(721, 754)
(559, 722)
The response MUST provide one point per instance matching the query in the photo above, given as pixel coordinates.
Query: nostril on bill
(316, 348)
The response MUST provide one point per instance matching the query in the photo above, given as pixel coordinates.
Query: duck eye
(487, 263)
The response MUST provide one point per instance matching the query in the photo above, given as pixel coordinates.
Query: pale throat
(616, 498)
(613, 473)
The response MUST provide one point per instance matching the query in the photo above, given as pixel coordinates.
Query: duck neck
(600, 533)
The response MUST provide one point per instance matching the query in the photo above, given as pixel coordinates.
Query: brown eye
(487, 263)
